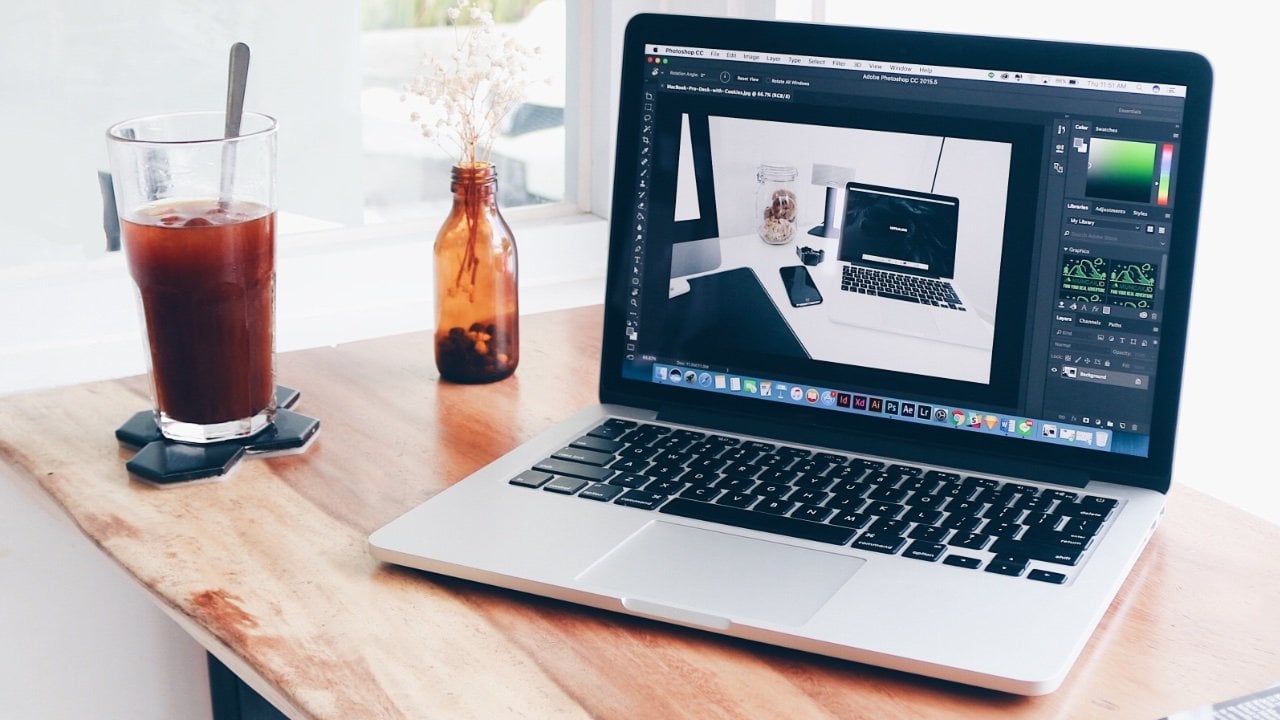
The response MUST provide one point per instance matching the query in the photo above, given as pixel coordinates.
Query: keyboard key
(730, 483)
(904, 470)
(638, 452)
(701, 493)
(879, 542)
(1035, 551)
(970, 541)
(962, 523)
(791, 527)
(1034, 503)
(599, 444)
(1046, 576)
(924, 550)
(1061, 495)
(925, 502)
(531, 479)
(1082, 526)
(963, 561)
(812, 482)
(889, 526)
(1042, 521)
(771, 490)
(742, 469)
(602, 492)
(573, 469)
(690, 435)
(630, 465)
(948, 477)
(980, 482)
(756, 445)
(809, 497)
(608, 431)
(565, 485)
(888, 494)
(924, 517)
(812, 513)
(792, 452)
(582, 455)
(778, 477)
(640, 499)
(1002, 514)
(736, 499)
(928, 532)
(709, 464)
(832, 458)
(700, 477)
(628, 480)
(1100, 504)
(845, 503)
(664, 487)
(955, 506)
(774, 506)
(810, 467)
(1056, 538)
(1007, 566)
(1001, 529)
(921, 485)
(885, 509)
(851, 519)
(664, 472)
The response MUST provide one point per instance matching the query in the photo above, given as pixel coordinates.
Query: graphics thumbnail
(1100, 280)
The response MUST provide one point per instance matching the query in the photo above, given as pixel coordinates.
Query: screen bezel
(914, 441)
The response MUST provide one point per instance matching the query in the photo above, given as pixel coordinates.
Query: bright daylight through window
(406, 174)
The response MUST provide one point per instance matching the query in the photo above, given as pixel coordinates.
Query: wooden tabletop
(269, 569)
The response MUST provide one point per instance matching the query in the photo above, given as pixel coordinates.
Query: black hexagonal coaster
(141, 429)
(167, 463)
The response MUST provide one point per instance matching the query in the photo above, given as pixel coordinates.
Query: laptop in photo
(757, 470)
(898, 249)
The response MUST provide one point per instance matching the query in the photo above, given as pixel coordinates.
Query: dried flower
(475, 88)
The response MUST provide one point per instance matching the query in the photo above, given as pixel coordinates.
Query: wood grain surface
(271, 566)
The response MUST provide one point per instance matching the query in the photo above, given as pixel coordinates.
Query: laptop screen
(990, 250)
(899, 230)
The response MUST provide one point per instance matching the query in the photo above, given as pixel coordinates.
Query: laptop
(898, 254)
(864, 499)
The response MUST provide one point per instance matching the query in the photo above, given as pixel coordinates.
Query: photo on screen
(758, 192)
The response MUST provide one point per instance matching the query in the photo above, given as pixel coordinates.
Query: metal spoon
(237, 79)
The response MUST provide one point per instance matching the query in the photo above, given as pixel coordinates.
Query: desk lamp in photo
(834, 178)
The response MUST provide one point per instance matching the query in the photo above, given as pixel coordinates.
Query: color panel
(1166, 172)
(1120, 170)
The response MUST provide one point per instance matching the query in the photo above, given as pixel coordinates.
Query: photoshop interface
(1090, 211)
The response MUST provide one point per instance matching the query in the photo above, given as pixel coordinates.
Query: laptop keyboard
(897, 509)
(896, 286)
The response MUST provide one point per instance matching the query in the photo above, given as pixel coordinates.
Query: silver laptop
(898, 257)
(757, 470)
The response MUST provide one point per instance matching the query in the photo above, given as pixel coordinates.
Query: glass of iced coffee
(197, 216)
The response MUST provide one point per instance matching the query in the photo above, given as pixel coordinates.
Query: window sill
(79, 321)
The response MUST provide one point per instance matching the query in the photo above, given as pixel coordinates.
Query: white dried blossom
(470, 93)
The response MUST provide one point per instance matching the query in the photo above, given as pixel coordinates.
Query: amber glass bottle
(477, 315)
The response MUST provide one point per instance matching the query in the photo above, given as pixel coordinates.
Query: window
(406, 175)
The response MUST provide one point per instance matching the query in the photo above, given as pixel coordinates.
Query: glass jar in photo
(776, 202)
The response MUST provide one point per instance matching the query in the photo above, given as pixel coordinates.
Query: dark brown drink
(206, 273)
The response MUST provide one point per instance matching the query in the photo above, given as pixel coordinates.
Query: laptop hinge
(855, 442)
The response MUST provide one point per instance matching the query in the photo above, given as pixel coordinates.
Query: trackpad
(719, 575)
